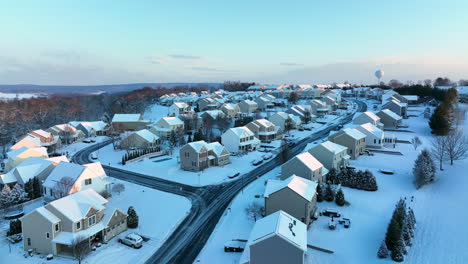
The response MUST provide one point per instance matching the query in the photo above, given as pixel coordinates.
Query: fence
(35, 203)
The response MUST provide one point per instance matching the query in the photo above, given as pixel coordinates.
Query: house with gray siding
(306, 166)
(351, 138)
(199, 155)
(389, 119)
(331, 155)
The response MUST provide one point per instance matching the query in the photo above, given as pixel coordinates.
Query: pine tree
(412, 217)
(319, 193)
(329, 194)
(132, 218)
(5, 196)
(340, 198)
(393, 234)
(406, 232)
(29, 189)
(397, 253)
(439, 121)
(402, 246)
(383, 250)
(332, 176)
(424, 169)
(37, 187)
(18, 195)
(189, 139)
(123, 160)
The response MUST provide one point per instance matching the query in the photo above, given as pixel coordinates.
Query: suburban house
(15, 157)
(280, 119)
(67, 178)
(306, 166)
(389, 119)
(140, 140)
(199, 155)
(231, 110)
(303, 111)
(179, 108)
(276, 239)
(30, 168)
(240, 140)
(128, 122)
(331, 102)
(46, 139)
(91, 129)
(207, 104)
(387, 95)
(367, 117)
(166, 125)
(331, 155)
(56, 228)
(67, 133)
(211, 116)
(319, 108)
(28, 142)
(248, 106)
(265, 101)
(294, 195)
(374, 135)
(396, 107)
(265, 130)
(411, 99)
(352, 139)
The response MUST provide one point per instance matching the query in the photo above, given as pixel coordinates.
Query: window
(88, 181)
(78, 225)
(47, 235)
(56, 227)
(29, 241)
(91, 220)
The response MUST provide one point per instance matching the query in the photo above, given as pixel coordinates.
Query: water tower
(379, 74)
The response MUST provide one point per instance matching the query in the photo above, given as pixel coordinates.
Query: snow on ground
(158, 219)
(155, 112)
(234, 216)
(168, 167)
(71, 149)
(438, 238)
(8, 96)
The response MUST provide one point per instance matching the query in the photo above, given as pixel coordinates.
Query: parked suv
(132, 240)
(330, 213)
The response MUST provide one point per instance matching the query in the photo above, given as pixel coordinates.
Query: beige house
(207, 104)
(248, 106)
(179, 108)
(303, 111)
(166, 125)
(367, 117)
(351, 138)
(397, 107)
(30, 168)
(389, 119)
(78, 218)
(231, 110)
(280, 119)
(319, 108)
(128, 122)
(15, 157)
(28, 142)
(294, 195)
(240, 140)
(331, 155)
(47, 140)
(265, 130)
(67, 133)
(199, 155)
(278, 238)
(140, 140)
(306, 166)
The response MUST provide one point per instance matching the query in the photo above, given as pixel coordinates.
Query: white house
(281, 118)
(164, 127)
(367, 117)
(374, 135)
(239, 140)
(179, 108)
(331, 155)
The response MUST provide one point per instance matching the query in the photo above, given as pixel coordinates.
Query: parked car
(86, 141)
(234, 175)
(257, 162)
(346, 222)
(94, 156)
(307, 128)
(132, 240)
(332, 224)
(267, 156)
(92, 140)
(234, 246)
(330, 213)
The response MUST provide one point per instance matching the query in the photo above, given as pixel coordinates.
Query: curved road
(208, 203)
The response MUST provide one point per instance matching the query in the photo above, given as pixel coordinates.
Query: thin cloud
(184, 57)
(291, 64)
(208, 69)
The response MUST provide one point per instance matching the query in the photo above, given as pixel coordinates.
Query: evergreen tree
(439, 122)
(15, 227)
(397, 253)
(393, 234)
(402, 246)
(132, 218)
(340, 198)
(123, 160)
(424, 169)
(406, 232)
(332, 176)
(383, 250)
(5, 196)
(29, 189)
(329, 194)
(189, 139)
(319, 192)
(37, 187)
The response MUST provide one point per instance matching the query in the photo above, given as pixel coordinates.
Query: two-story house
(331, 155)
(67, 133)
(389, 119)
(231, 110)
(179, 108)
(240, 140)
(78, 219)
(351, 138)
(281, 119)
(199, 155)
(141, 139)
(128, 122)
(374, 135)
(248, 106)
(265, 130)
(306, 166)
(166, 125)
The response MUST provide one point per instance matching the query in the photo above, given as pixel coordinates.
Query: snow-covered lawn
(158, 218)
(439, 237)
(71, 149)
(155, 112)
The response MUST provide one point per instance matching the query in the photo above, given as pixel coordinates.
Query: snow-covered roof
(28, 141)
(25, 152)
(64, 169)
(48, 215)
(77, 205)
(279, 224)
(126, 118)
(197, 145)
(304, 187)
(372, 116)
(391, 114)
(242, 131)
(147, 135)
(371, 129)
(214, 113)
(59, 159)
(181, 104)
(399, 104)
(216, 147)
(30, 168)
(263, 122)
(8, 177)
(333, 147)
(69, 238)
(354, 133)
(172, 121)
(249, 102)
(41, 133)
(230, 106)
(309, 160)
(96, 168)
(411, 97)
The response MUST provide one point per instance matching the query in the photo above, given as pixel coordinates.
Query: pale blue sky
(101, 42)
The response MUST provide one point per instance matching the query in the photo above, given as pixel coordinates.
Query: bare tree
(416, 142)
(63, 187)
(80, 245)
(457, 146)
(439, 149)
(118, 188)
(254, 211)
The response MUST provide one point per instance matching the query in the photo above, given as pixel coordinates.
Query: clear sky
(309, 41)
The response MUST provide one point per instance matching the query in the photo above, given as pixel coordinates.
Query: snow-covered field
(439, 237)
(155, 112)
(73, 148)
(158, 219)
